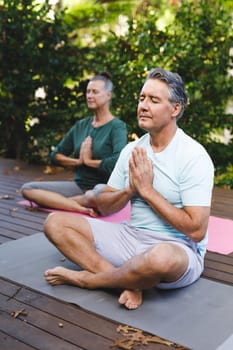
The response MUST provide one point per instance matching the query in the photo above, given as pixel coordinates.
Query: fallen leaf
(7, 196)
(49, 170)
(12, 210)
(134, 337)
(31, 208)
(16, 168)
(15, 314)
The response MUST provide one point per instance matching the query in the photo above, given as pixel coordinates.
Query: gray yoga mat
(199, 316)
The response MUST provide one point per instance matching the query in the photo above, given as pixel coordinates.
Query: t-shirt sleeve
(196, 183)
(119, 178)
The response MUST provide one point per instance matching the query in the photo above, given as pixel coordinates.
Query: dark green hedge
(36, 51)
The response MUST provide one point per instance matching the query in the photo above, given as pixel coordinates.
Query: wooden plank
(4, 239)
(226, 259)
(11, 235)
(9, 343)
(8, 288)
(222, 203)
(57, 323)
(219, 267)
(38, 321)
(25, 332)
(17, 230)
(19, 222)
(27, 215)
(218, 276)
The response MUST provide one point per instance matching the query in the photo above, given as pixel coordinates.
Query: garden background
(48, 51)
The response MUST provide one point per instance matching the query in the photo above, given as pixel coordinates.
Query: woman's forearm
(67, 161)
(93, 163)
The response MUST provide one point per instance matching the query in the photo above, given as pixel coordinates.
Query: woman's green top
(107, 143)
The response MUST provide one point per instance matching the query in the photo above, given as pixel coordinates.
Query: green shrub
(36, 51)
(224, 179)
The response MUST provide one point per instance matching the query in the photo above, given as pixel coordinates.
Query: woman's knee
(25, 190)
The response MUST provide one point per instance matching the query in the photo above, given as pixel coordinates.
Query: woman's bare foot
(85, 204)
(61, 275)
(131, 299)
(88, 211)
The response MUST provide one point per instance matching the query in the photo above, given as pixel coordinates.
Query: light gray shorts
(118, 242)
(65, 188)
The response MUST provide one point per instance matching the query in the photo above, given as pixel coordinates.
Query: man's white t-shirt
(183, 175)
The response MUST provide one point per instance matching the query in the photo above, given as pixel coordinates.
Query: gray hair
(175, 86)
(106, 78)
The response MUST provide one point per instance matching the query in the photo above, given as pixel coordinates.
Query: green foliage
(91, 12)
(225, 179)
(201, 45)
(192, 37)
(196, 45)
(96, 16)
(221, 154)
(34, 53)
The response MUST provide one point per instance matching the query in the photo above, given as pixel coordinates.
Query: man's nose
(144, 104)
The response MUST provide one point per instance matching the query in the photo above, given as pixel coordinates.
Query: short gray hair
(175, 85)
(106, 78)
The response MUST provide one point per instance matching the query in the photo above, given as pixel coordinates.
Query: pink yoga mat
(220, 230)
(122, 215)
(220, 235)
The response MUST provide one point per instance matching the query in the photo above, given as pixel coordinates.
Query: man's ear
(110, 95)
(176, 109)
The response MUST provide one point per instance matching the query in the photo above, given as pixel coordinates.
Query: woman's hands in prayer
(86, 150)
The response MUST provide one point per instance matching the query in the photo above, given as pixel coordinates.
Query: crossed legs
(72, 236)
(57, 201)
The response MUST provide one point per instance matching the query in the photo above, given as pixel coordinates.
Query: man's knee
(165, 258)
(53, 225)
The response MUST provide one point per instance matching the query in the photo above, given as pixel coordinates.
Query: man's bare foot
(61, 275)
(131, 299)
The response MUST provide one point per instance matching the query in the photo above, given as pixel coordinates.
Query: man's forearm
(190, 220)
(106, 202)
(111, 202)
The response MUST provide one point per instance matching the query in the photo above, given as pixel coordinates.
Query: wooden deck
(43, 322)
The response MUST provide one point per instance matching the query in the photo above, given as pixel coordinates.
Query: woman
(92, 146)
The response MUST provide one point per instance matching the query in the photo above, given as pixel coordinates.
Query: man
(168, 178)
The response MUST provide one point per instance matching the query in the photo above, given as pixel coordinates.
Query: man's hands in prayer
(140, 172)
